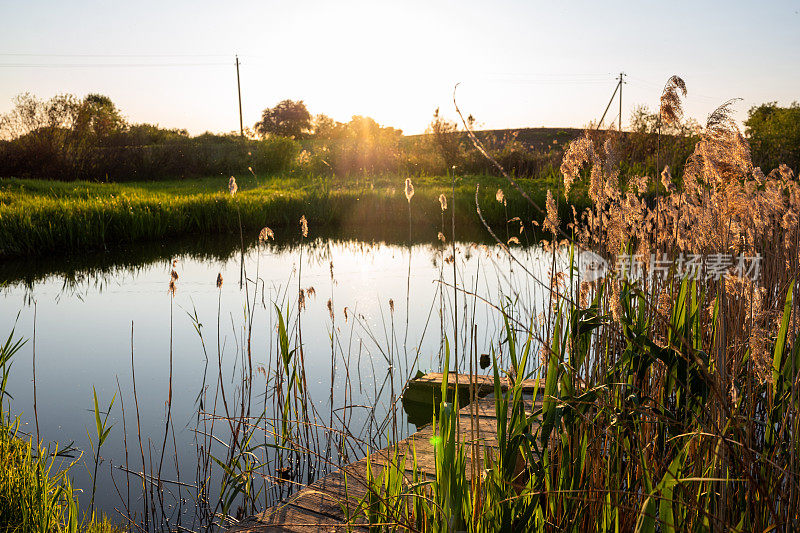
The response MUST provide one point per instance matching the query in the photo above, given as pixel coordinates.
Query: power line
(14, 54)
(107, 65)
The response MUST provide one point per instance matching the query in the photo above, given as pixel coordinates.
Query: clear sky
(536, 63)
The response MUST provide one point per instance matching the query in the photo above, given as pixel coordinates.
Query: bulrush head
(409, 190)
(173, 278)
(303, 226)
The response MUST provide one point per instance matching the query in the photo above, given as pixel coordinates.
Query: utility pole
(617, 88)
(239, 90)
(619, 124)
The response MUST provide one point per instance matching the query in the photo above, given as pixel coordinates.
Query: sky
(518, 64)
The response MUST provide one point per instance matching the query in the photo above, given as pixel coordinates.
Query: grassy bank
(41, 217)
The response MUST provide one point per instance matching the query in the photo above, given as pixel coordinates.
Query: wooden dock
(321, 506)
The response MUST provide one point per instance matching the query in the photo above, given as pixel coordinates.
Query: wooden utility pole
(239, 90)
(617, 87)
(619, 124)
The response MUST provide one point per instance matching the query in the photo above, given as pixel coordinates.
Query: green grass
(41, 217)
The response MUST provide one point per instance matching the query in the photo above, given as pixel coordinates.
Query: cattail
(616, 305)
(265, 235)
(173, 277)
(443, 201)
(584, 294)
(303, 226)
(409, 190)
(441, 237)
(500, 197)
(232, 187)
(219, 280)
(671, 109)
(551, 223)
(666, 179)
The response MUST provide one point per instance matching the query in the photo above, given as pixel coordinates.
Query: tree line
(71, 138)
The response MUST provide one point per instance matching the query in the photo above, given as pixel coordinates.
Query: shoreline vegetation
(44, 217)
(671, 398)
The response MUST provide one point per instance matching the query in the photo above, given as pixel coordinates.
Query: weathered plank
(323, 505)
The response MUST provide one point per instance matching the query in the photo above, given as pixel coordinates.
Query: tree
(774, 135)
(327, 128)
(446, 138)
(97, 115)
(288, 119)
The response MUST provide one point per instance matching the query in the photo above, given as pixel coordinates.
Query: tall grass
(670, 398)
(39, 217)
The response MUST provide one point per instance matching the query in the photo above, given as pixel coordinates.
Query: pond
(374, 314)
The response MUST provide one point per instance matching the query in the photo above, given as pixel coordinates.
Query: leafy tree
(327, 128)
(98, 116)
(774, 135)
(288, 119)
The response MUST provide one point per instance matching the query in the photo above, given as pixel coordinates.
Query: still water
(102, 319)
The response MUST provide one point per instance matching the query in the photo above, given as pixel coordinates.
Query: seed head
(173, 277)
(303, 226)
(330, 308)
(443, 201)
(441, 237)
(265, 235)
(671, 109)
(391, 305)
(232, 187)
(500, 197)
(551, 222)
(219, 280)
(409, 190)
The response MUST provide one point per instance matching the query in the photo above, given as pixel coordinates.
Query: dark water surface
(85, 307)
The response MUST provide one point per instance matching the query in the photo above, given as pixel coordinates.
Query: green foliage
(287, 119)
(40, 217)
(648, 445)
(774, 135)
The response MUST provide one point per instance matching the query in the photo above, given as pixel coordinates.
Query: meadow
(39, 217)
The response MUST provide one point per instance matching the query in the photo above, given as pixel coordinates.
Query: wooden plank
(319, 506)
(484, 383)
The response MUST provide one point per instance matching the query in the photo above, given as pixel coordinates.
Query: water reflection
(105, 319)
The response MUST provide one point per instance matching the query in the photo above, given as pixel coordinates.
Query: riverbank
(40, 217)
